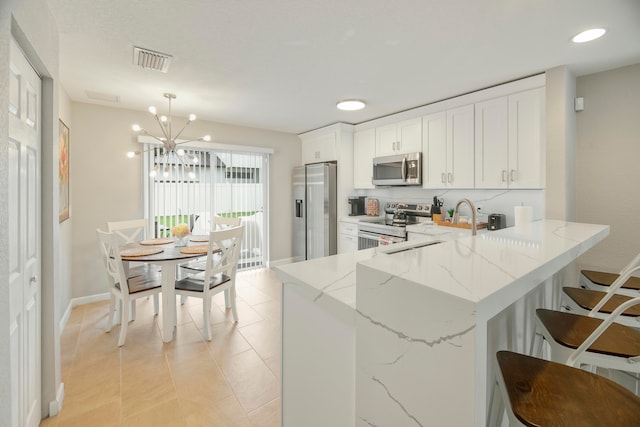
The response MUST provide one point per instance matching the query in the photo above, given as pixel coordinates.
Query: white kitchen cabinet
(364, 150)
(509, 141)
(492, 143)
(526, 139)
(320, 148)
(348, 237)
(448, 149)
(333, 143)
(398, 138)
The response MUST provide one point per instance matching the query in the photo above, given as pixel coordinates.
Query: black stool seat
(543, 393)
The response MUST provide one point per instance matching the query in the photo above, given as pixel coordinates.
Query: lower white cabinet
(348, 237)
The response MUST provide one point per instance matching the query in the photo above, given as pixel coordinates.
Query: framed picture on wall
(63, 171)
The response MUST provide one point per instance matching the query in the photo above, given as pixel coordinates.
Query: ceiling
(283, 64)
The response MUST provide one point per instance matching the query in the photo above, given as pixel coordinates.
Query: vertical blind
(200, 184)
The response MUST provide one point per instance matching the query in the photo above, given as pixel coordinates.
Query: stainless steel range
(392, 227)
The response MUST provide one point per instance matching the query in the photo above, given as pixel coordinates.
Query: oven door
(368, 240)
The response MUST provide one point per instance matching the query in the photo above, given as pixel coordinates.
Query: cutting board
(467, 226)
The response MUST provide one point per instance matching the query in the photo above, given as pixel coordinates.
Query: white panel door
(24, 240)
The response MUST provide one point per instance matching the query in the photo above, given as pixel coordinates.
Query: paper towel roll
(522, 217)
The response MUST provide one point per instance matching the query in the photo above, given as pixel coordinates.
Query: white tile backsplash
(492, 201)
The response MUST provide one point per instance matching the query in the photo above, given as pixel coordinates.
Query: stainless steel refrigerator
(315, 223)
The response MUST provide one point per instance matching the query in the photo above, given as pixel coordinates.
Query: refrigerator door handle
(298, 208)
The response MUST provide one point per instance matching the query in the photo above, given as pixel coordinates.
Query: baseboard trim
(56, 405)
(80, 301)
(278, 262)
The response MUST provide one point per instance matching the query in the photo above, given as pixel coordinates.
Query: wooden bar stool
(600, 304)
(537, 392)
(576, 340)
(601, 281)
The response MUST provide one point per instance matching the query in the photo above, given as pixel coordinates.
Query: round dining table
(168, 260)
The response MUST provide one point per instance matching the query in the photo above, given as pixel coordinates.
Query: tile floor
(232, 381)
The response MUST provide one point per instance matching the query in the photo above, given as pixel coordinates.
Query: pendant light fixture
(170, 152)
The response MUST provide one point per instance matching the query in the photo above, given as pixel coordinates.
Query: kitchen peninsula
(408, 338)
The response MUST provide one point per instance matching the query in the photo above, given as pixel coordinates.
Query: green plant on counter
(451, 212)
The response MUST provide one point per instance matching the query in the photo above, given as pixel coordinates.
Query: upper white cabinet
(509, 141)
(364, 150)
(333, 143)
(526, 139)
(398, 138)
(321, 148)
(492, 142)
(448, 149)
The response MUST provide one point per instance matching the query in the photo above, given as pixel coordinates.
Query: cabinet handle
(34, 279)
(398, 145)
(443, 177)
(393, 146)
(450, 177)
(504, 176)
(514, 175)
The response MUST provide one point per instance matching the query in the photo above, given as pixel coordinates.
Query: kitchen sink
(403, 247)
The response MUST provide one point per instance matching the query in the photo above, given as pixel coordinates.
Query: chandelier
(170, 150)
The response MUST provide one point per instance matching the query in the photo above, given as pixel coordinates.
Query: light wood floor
(234, 380)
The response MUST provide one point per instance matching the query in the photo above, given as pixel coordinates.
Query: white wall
(608, 155)
(107, 186)
(33, 26)
(560, 144)
(64, 295)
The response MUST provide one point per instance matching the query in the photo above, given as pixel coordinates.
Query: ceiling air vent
(146, 58)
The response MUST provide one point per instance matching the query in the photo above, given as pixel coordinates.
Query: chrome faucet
(454, 220)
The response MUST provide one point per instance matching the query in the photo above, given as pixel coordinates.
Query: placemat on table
(199, 238)
(198, 249)
(142, 251)
(159, 241)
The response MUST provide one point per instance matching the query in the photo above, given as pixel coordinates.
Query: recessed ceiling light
(350, 105)
(588, 35)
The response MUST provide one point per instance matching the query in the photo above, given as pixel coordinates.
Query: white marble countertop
(471, 268)
(480, 268)
(359, 218)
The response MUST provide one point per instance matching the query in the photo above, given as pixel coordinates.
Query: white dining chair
(197, 266)
(223, 252)
(131, 231)
(122, 289)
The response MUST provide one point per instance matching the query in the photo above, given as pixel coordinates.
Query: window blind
(191, 188)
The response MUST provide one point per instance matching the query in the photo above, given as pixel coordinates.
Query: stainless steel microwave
(399, 169)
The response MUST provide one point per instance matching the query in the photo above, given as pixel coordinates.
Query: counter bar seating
(592, 303)
(576, 340)
(601, 281)
(537, 392)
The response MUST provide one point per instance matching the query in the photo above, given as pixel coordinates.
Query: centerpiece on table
(180, 233)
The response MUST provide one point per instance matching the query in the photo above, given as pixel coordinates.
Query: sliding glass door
(198, 184)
